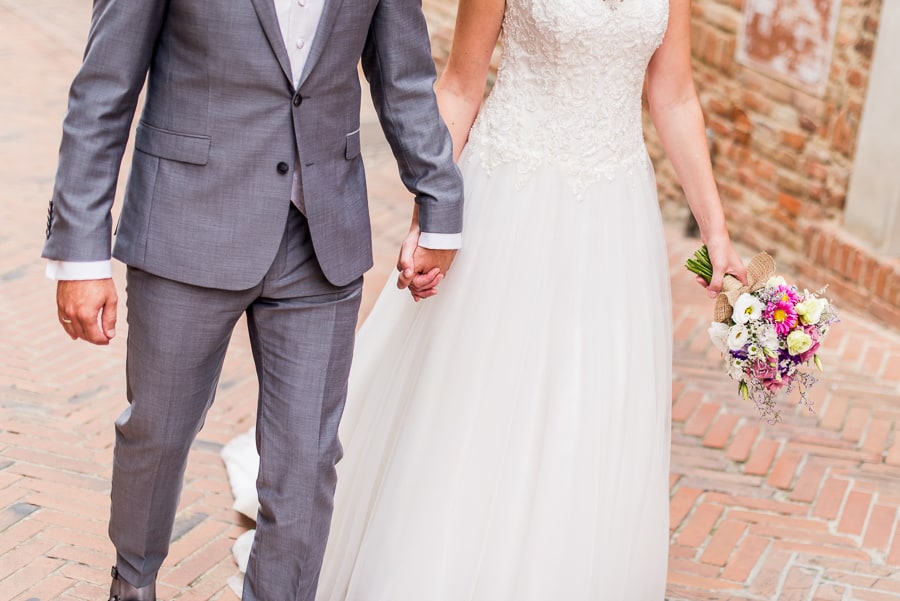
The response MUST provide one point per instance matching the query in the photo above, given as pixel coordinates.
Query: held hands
(421, 269)
(725, 260)
(87, 309)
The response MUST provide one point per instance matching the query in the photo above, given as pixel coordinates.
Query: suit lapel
(329, 16)
(265, 11)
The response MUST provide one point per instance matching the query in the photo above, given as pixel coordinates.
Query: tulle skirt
(508, 439)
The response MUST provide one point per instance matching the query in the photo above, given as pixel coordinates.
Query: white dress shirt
(299, 20)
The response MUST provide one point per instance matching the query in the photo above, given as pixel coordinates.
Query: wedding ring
(64, 320)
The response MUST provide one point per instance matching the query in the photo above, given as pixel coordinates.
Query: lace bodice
(568, 90)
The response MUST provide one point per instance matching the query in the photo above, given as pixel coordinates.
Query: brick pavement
(803, 510)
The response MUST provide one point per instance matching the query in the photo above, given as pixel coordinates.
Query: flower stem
(700, 264)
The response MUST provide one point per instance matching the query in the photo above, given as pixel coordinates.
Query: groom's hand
(431, 266)
(421, 269)
(87, 309)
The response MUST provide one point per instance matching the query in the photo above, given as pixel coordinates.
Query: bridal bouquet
(768, 332)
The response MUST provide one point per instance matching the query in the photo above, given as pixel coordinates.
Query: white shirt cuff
(440, 241)
(78, 270)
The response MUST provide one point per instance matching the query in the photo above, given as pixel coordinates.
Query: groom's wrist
(78, 270)
(440, 241)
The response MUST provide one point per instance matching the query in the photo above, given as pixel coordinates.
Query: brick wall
(783, 156)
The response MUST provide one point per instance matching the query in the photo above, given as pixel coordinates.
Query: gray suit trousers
(301, 332)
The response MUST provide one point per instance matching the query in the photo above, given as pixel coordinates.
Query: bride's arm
(678, 118)
(460, 88)
(459, 91)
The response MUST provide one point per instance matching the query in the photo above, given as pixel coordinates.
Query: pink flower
(782, 315)
(776, 385)
(786, 293)
(762, 370)
(767, 374)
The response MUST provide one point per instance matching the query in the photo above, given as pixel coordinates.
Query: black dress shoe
(120, 590)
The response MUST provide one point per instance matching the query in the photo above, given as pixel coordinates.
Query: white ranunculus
(810, 310)
(746, 308)
(718, 333)
(738, 336)
(775, 280)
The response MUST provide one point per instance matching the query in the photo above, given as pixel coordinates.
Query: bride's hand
(725, 260)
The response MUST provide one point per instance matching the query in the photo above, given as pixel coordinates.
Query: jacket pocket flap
(186, 148)
(352, 145)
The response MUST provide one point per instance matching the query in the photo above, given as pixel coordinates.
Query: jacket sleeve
(398, 65)
(102, 102)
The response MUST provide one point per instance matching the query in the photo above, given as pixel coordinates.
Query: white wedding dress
(508, 439)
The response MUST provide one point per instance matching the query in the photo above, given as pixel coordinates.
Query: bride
(508, 439)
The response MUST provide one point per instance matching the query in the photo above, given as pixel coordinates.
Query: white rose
(746, 308)
(718, 333)
(775, 280)
(798, 342)
(738, 336)
(810, 310)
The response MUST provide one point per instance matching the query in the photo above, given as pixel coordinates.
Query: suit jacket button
(298, 99)
(282, 168)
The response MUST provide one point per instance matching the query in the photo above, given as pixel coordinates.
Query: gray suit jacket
(222, 125)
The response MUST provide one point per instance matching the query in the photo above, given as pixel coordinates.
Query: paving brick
(782, 474)
(798, 584)
(809, 482)
(876, 438)
(685, 405)
(878, 531)
(681, 504)
(699, 525)
(762, 457)
(739, 449)
(854, 513)
(723, 542)
(857, 419)
(720, 432)
(746, 557)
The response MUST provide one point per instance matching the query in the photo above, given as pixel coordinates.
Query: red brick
(809, 482)
(740, 447)
(681, 504)
(783, 473)
(685, 405)
(835, 412)
(855, 425)
(723, 542)
(762, 457)
(830, 499)
(699, 525)
(745, 558)
(876, 438)
(718, 435)
(699, 422)
(854, 513)
(881, 523)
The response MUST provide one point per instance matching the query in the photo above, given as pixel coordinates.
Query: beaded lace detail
(568, 90)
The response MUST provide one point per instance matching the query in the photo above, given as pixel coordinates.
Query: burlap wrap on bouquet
(759, 270)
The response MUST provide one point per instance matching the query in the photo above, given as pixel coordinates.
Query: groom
(246, 197)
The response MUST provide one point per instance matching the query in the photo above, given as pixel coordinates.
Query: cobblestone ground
(805, 510)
